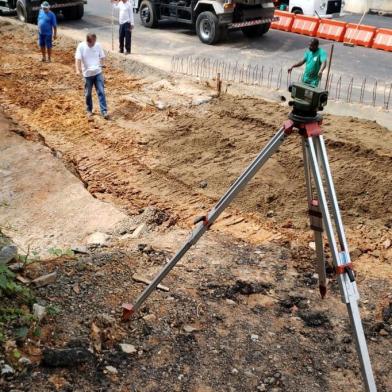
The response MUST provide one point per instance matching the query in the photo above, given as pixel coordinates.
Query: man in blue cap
(47, 30)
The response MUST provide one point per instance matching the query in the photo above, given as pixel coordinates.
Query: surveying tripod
(318, 176)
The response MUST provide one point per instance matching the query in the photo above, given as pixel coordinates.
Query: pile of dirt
(243, 310)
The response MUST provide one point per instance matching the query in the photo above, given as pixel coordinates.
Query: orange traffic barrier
(306, 25)
(331, 29)
(285, 21)
(359, 34)
(383, 40)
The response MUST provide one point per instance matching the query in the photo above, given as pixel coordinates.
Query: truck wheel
(207, 28)
(297, 11)
(74, 13)
(148, 14)
(256, 31)
(24, 14)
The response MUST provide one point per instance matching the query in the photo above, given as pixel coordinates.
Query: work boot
(105, 115)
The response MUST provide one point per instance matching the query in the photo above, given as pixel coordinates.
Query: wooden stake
(329, 65)
(218, 84)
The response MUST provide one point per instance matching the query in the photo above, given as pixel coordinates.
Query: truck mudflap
(252, 22)
(60, 5)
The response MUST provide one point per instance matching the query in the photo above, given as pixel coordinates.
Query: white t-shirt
(125, 12)
(90, 58)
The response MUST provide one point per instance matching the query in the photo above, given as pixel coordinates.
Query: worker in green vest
(315, 60)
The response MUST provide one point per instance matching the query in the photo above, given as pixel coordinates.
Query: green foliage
(26, 259)
(61, 252)
(52, 310)
(6, 279)
(37, 331)
(15, 319)
(9, 314)
(21, 333)
(10, 288)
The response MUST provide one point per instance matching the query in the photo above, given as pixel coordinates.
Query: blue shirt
(313, 61)
(46, 22)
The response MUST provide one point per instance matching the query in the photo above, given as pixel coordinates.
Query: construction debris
(7, 253)
(45, 280)
(142, 279)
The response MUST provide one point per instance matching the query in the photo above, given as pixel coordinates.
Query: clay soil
(243, 311)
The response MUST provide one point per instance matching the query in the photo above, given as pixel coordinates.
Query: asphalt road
(275, 49)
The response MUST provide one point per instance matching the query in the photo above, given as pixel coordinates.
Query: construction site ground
(243, 310)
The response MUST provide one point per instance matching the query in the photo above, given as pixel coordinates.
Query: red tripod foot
(323, 291)
(128, 311)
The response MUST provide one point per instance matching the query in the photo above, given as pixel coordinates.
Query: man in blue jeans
(89, 60)
(47, 29)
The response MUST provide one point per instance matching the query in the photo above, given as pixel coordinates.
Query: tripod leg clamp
(346, 269)
(203, 219)
(315, 216)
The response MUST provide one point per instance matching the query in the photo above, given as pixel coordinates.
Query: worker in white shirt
(126, 21)
(89, 60)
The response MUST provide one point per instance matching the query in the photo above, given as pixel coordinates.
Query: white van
(324, 8)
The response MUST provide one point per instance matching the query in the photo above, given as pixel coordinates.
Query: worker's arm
(101, 57)
(323, 66)
(78, 66)
(54, 24)
(131, 18)
(302, 62)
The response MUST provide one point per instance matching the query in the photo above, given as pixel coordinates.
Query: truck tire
(207, 28)
(148, 14)
(24, 13)
(74, 13)
(297, 11)
(256, 31)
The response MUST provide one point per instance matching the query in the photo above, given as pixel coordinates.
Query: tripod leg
(316, 224)
(352, 305)
(331, 192)
(207, 221)
(341, 260)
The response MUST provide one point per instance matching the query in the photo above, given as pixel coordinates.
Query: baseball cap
(45, 4)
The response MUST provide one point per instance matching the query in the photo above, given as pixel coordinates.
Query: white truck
(211, 18)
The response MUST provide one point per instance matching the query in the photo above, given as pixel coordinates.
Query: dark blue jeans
(125, 35)
(99, 83)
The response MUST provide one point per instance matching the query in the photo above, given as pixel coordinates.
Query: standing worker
(47, 30)
(316, 60)
(89, 59)
(126, 21)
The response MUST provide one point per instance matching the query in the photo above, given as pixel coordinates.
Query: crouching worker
(89, 60)
(47, 30)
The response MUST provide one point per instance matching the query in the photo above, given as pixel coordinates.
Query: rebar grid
(341, 87)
